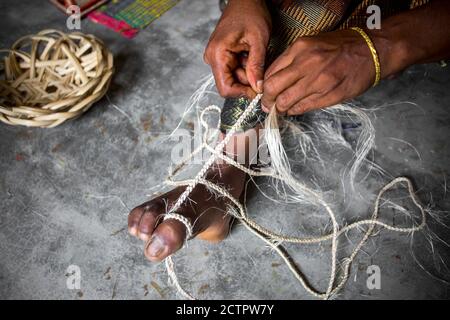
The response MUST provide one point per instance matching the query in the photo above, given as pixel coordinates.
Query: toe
(142, 219)
(147, 223)
(167, 238)
(133, 220)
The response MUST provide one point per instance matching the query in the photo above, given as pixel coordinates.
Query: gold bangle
(374, 53)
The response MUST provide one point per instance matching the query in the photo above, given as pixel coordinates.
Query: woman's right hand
(237, 48)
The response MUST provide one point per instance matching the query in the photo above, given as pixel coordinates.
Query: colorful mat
(128, 17)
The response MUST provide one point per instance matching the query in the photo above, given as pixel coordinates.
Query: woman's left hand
(317, 72)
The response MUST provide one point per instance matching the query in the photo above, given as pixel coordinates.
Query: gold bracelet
(374, 53)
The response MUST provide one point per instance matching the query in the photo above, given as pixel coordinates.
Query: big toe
(166, 239)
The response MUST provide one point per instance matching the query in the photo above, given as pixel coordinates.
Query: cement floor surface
(65, 192)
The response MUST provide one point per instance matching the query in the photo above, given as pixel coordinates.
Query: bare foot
(205, 211)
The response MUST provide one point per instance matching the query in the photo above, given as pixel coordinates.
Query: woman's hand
(237, 48)
(319, 71)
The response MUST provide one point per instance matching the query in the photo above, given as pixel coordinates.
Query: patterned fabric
(297, 18)
(232, 110)
(292, 19)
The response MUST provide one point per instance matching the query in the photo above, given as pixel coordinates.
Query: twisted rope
(185, 221)
(270, 237)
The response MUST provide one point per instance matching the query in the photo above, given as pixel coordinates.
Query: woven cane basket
(51, 77)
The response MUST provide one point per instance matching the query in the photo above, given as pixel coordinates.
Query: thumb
(255, 67)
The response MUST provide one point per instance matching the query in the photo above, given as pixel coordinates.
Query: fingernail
(259, 86)
(155, 246)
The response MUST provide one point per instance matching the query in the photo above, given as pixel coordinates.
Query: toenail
(133, 231)
(155, 247)
(143, 236)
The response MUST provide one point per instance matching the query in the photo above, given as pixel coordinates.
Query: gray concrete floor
(65, 192)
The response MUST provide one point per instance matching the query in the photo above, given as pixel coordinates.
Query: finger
(241, 76)
(315, 101)
(301, 89)
(323, 96)
(223, 64)
(282, 62)
(255, 66)
(168, 237)
(278, 83)
(222, 68)
(227, 84)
